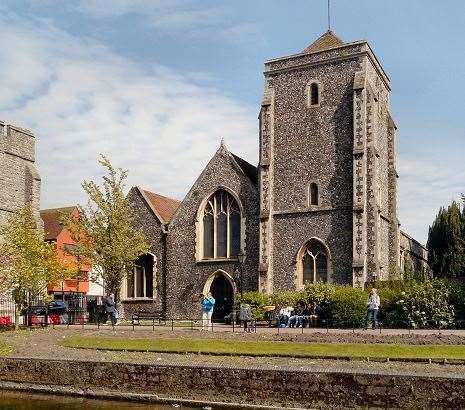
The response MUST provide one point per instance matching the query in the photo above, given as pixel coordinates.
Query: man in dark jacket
(110, 308)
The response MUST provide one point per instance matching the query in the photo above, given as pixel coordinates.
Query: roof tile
(324, 42)
(166, 207)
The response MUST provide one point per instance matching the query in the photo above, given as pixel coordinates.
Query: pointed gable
(326, 41)
(222, 158)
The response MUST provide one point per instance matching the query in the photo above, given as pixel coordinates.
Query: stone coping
(286, 369)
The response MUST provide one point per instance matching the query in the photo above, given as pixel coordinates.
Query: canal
(10, 400)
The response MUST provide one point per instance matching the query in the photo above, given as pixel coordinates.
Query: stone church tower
(19, 178)
(328, 180)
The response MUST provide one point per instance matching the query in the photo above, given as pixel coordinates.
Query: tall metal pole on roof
(329, 16)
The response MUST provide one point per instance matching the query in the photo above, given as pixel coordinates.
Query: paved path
(196, 326)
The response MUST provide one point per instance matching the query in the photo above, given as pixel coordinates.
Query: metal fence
(192, 324)
(40, 313)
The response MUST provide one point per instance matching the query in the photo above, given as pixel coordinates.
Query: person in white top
(373, 304)
(284, 315)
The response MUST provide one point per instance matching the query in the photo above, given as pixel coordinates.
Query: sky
(156, 84)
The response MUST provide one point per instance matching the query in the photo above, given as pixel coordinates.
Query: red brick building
(57, 233)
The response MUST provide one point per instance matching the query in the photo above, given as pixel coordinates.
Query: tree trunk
(17, 312)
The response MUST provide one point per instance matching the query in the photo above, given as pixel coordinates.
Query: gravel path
(42, 343)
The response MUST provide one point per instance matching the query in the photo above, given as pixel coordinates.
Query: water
(25, 401)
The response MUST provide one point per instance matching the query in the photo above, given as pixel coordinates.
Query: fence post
(172, 324)
(153, 324)
(212, 325)
(192, 325)
(232, 321)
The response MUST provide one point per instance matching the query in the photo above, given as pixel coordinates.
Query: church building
(321, 205)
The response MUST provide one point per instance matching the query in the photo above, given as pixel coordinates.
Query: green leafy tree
(446, 242)
(28, 264)
(104, 230)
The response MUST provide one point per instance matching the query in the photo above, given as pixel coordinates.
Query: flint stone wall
(260, 386)
(152, 228)
(186, 275)
(313, 144)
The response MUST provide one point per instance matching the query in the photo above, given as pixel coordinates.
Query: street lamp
(240, 259)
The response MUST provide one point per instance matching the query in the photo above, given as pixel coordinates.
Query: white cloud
(82, 99)
(425, 185)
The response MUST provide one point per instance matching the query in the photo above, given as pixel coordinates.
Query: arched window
(313, 194)
(221, 226)
(313, 92)
(315, 262)
(140, 281)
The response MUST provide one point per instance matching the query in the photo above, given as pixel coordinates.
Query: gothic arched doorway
(221, 288)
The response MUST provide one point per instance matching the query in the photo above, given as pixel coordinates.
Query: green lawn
(4, 349)
(268, 348)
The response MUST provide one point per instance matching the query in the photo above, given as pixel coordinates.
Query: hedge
(410, 303)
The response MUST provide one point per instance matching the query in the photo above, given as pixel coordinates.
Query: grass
(5, 350)
(268, 348)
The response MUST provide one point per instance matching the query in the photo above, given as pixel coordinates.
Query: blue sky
(156, 85)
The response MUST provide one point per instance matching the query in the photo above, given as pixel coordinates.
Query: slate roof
(51, 218)
(164, 206)
(324, 42)
(248, 169)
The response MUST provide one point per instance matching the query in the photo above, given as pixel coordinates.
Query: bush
(317, 292)
(391, 313)
(284, 298)
(426, 304)
(256, 300)
(429, 302)
(457, 299)
(347, 306)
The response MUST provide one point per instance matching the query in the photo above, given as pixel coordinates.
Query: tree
(28, 264)
(446, 242)
(104, 230)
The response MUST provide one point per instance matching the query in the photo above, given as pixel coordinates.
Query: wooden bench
(149, 316)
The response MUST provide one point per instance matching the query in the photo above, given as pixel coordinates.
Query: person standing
(373, 304)
(245, 316)
(110, 308)
(208, 304)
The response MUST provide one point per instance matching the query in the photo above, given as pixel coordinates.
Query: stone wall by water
(251, 385)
